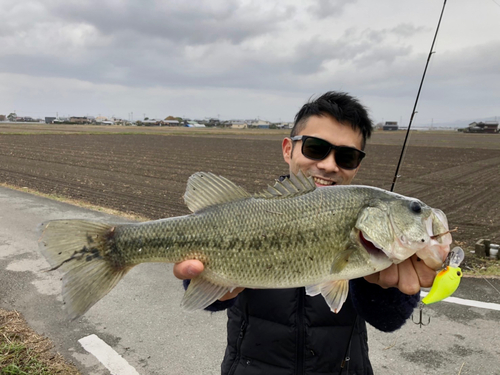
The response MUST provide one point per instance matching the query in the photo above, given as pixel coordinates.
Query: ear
(287, 148)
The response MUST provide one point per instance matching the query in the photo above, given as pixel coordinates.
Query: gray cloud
(359, 49)
(187, 22)
(329, 8)
(259, 47)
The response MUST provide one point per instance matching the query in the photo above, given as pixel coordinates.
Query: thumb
(188, 269)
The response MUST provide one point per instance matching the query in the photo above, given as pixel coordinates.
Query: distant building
(79, 120)
(284, 125)
(153, 122)
(258, 123)
(49, 120)
(101, 119)
(194, 124)
(171, 122)
(239, 125)
(482, 127)
(390, 125)
(60, 120)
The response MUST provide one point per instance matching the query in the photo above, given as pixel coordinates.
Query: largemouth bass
(291, 235)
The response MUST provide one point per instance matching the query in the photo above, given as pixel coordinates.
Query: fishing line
(396, 174)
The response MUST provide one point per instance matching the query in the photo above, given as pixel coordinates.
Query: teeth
(322, 182)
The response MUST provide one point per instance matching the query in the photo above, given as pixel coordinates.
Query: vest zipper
(300, 332)
(238, 348)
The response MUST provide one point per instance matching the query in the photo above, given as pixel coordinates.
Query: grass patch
(24, 352)
(481, 268)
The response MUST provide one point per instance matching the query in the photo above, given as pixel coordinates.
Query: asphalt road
(142, 321)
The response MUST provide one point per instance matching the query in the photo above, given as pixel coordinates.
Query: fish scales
(291, 235)
(254, 242)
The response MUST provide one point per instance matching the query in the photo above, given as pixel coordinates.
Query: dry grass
(23, 351)
(77, 203)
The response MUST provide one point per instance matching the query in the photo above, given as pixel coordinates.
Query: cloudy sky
(248, 58)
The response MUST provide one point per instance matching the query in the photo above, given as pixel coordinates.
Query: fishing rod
(396, 175)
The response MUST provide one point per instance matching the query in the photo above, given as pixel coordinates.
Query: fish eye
(415, 207)
(459, 273)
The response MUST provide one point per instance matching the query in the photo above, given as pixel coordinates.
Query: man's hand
(188, 269)
(192, 268)
(408, 276)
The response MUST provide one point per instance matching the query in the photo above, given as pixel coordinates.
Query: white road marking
(469, 302)
(114, 362)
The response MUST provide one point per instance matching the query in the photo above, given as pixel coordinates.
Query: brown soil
(146, 174)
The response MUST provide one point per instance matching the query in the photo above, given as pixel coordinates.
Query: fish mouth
(437, 249)
(371, 247)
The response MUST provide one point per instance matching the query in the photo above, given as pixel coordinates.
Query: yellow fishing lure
(447, 280)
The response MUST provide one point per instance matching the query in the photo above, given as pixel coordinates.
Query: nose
(328, 164)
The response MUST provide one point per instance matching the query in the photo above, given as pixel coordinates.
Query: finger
(389, 277)
(188, 269)
(386, 279)
(425, 274)
(408, 283)
(373, 278)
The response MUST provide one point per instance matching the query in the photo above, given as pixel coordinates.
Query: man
(287, 332)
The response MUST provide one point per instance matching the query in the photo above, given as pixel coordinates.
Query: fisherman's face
(325, 172)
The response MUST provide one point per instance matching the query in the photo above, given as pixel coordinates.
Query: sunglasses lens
(348, 158)
(315, 148)
(318, 149)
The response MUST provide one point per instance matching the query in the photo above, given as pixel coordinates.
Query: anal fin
(202, 293)
(334, 292)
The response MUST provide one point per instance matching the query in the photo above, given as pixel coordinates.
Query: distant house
(153, 122)
(259, 123)
(79, 120)
(390, 125)
(239, 125)
(101, 119)
(194, 124)
(171, 122)
(482, 127)
(49, 120)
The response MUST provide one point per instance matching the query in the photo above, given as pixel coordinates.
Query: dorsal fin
(205, 189)
(291, 186)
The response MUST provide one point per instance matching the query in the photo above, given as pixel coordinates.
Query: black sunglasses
(318, 149)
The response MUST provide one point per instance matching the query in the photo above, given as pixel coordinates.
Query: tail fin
(83, 250)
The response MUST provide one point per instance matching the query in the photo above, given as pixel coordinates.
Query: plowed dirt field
(144, 171)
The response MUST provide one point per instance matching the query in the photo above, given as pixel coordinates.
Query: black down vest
(286, 332)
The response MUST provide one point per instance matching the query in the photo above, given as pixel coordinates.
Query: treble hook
(420, 321)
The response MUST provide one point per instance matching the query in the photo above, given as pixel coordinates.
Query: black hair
(342, 107)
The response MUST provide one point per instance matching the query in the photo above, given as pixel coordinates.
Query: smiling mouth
(321, 182)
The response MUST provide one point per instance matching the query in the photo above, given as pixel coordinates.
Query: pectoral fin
(201, 293)
(335, 293)
(340, 261)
